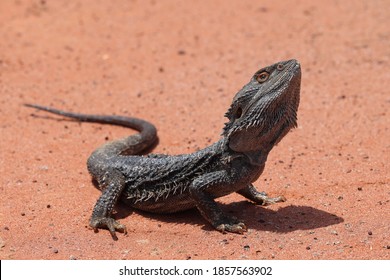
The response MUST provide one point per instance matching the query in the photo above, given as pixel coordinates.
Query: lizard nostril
(280, 67)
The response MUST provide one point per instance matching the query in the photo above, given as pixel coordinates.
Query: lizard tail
(131, 145)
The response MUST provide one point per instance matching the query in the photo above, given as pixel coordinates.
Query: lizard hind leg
(101, 216)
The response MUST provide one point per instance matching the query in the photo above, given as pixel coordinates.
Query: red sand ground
(178, 64)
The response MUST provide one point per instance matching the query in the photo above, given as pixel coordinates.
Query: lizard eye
(238, 113)
(262, 77)
(280, 67)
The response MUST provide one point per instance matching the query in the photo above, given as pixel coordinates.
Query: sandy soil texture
(178, 64)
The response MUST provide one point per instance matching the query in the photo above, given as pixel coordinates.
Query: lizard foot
(109, 223)
(231, 225)
(264, 200)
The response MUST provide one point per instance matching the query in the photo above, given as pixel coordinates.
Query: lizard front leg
(101, 215)
(204, 199)
(260, 198)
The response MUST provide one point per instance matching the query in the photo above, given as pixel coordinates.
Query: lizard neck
(259, 155)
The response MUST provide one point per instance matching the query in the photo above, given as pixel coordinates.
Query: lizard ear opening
(238, 113)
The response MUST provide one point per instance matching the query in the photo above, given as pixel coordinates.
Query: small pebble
(2, 243)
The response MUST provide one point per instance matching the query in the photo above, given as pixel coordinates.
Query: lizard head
(265, 109)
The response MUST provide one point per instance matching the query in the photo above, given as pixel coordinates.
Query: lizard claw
(272, 200)
(109, 223)
(231, 224)
(263, 199)
(235, 228)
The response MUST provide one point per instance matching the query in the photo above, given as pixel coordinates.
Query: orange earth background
(178, 64)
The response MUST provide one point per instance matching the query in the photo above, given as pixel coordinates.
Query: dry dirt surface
(178, 64)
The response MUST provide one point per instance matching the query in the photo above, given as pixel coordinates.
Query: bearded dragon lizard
(261, 114)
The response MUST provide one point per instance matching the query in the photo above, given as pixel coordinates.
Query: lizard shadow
(284, 220)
